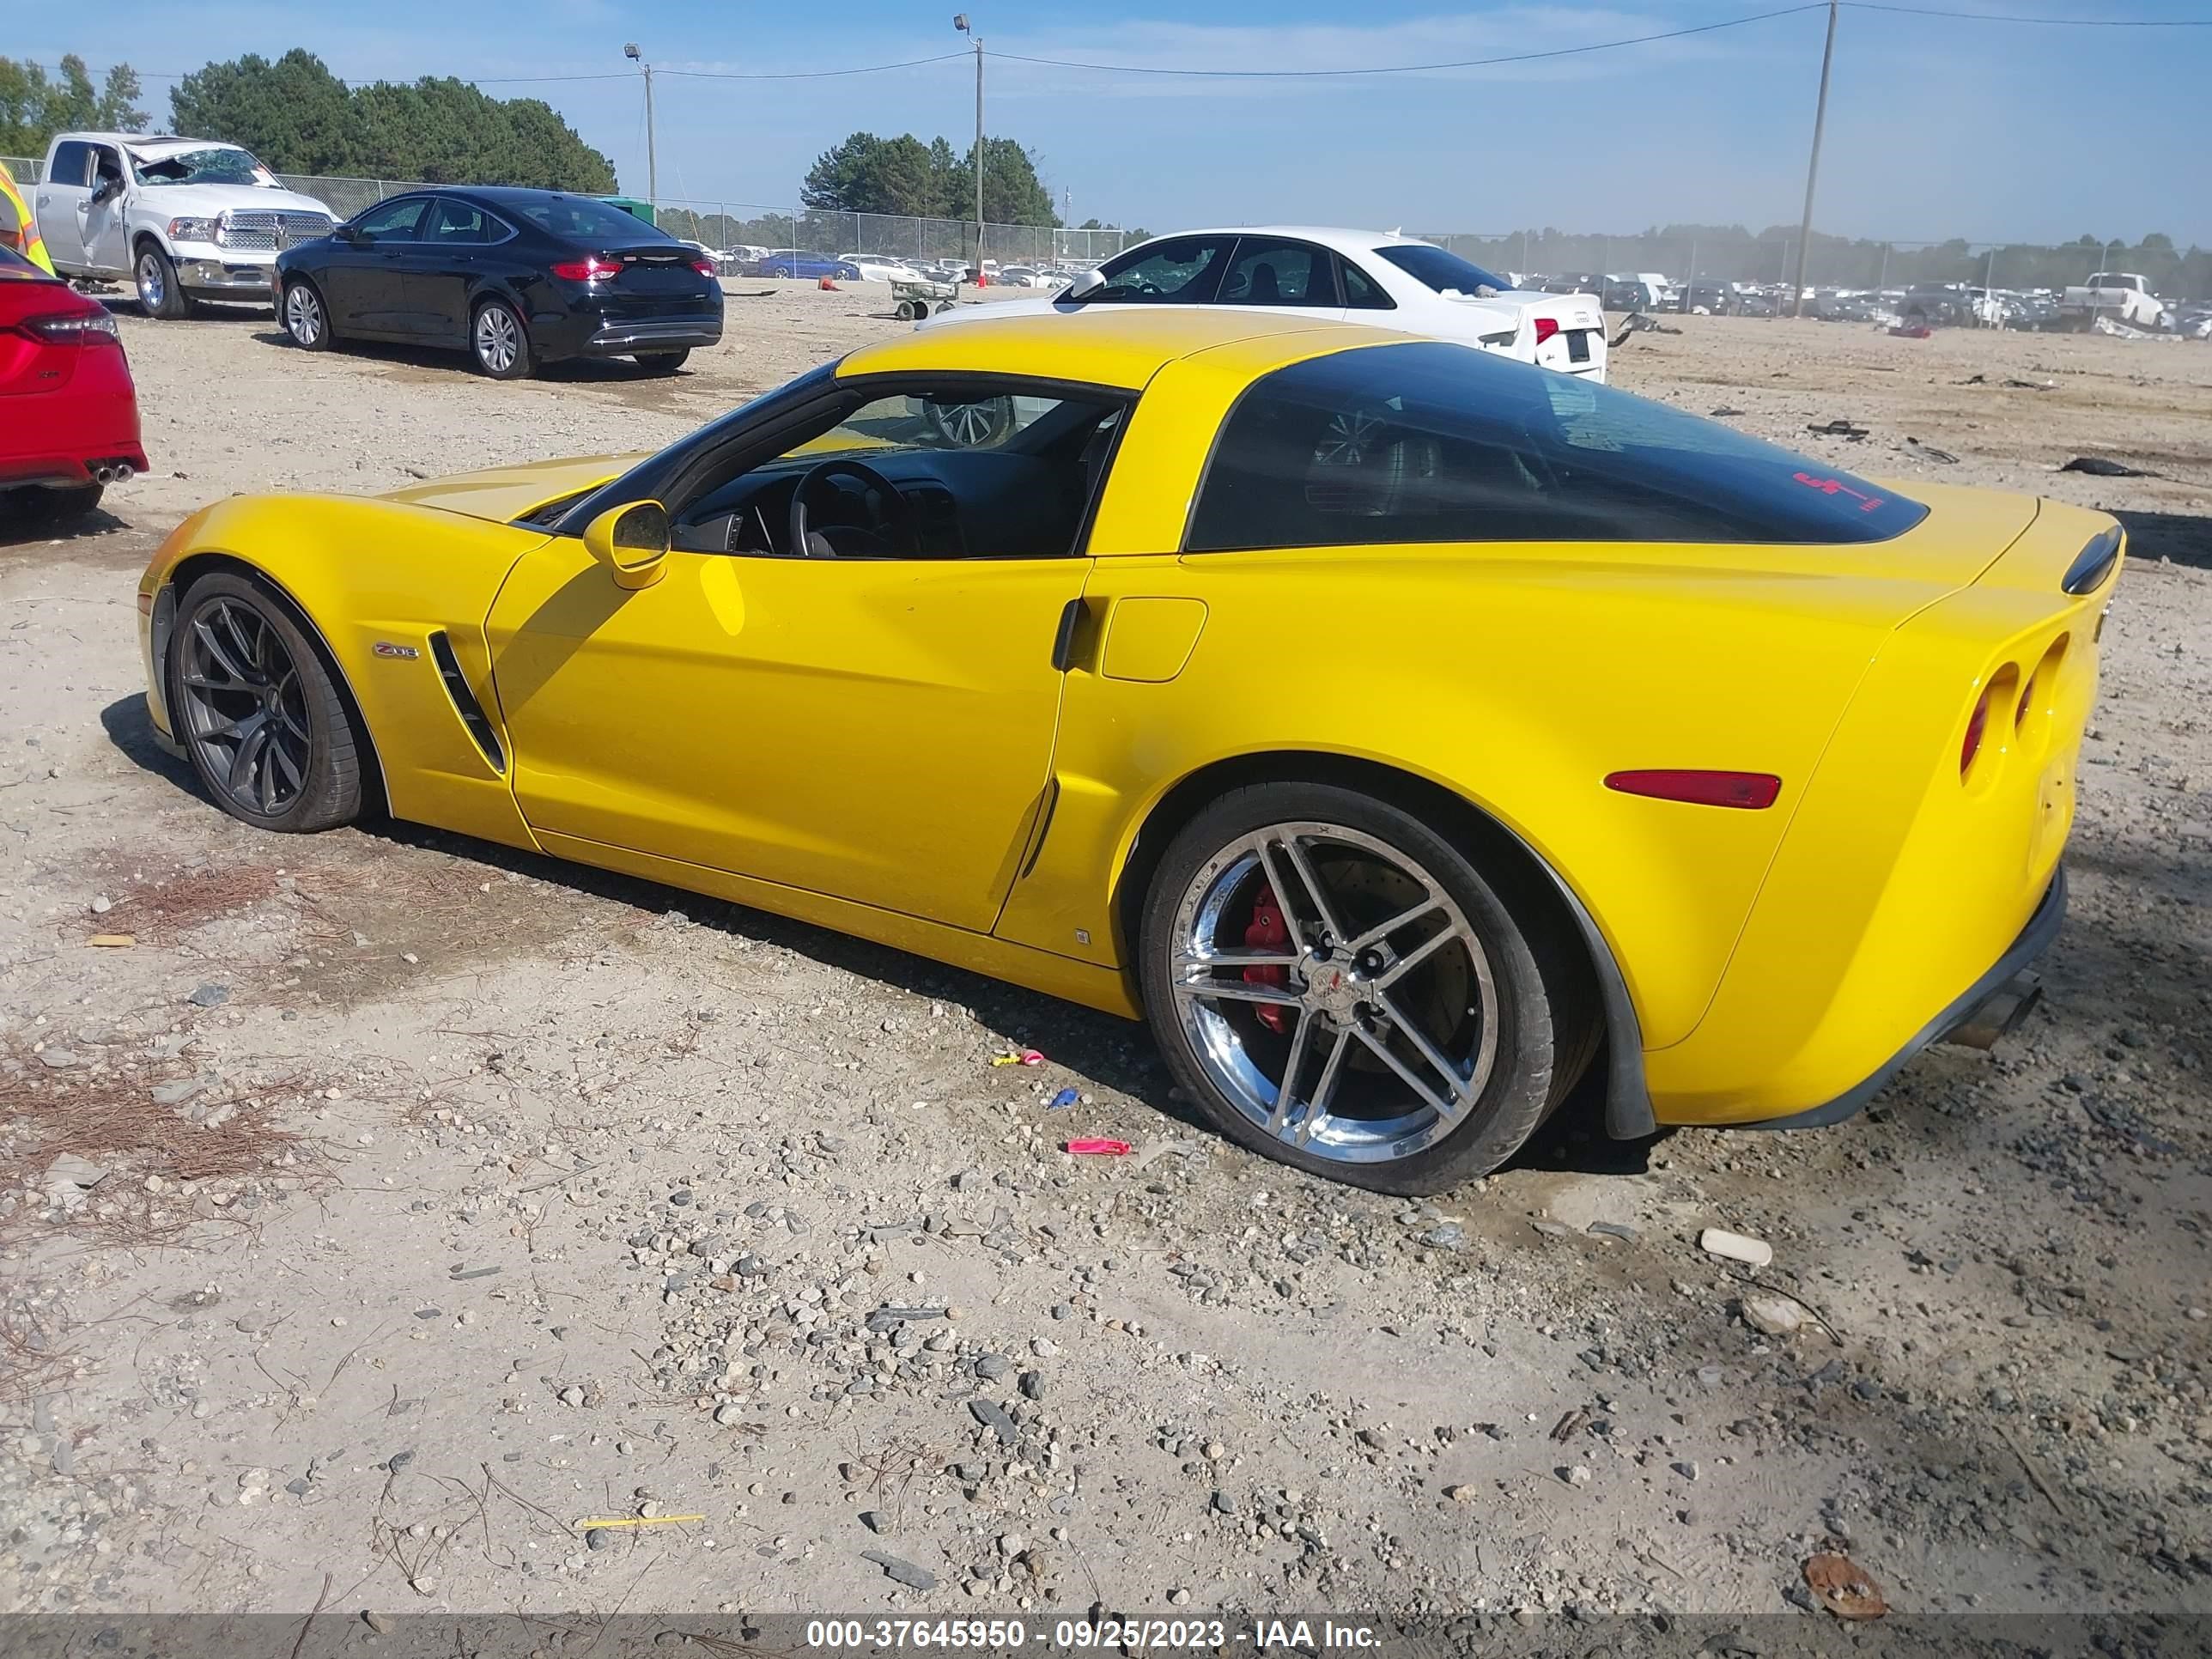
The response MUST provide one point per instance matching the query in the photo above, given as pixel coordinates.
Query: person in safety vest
(19, 225)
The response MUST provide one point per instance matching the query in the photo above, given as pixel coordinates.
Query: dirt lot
(394, 1202)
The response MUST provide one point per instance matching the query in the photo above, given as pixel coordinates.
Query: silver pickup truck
(183, 219)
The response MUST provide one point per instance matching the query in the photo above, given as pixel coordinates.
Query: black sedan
(513, 277)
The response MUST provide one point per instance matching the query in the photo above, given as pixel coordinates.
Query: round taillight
(1977, 723)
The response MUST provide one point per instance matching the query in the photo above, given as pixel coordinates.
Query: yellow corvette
(1406, 732)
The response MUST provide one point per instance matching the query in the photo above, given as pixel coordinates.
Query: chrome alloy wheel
(498, 338)
(1335, 992)
(303, 314)
(153, 285)
(245, 710)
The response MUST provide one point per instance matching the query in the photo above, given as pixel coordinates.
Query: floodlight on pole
(652, 161)
(960, 22)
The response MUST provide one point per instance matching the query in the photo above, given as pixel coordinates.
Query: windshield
(1441, 270)
(224, 164)
(583, 219)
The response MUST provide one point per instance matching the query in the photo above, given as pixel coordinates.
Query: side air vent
(464, 701)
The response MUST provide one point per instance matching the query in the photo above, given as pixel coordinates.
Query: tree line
(299, 118)
(905, 178)
(32, 108)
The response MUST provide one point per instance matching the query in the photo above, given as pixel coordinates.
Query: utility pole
(1813, 167)
(652, 162)
(960, 22)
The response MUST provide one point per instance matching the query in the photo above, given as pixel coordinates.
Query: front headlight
(192, 230)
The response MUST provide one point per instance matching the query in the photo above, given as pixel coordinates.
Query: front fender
(374, 580)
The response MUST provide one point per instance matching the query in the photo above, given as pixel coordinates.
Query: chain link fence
(1833, 263)
(1752, 261)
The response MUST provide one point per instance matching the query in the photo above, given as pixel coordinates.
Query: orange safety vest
(26, 241)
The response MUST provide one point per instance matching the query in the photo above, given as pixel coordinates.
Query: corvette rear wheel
(259, 713)
(1338, 988)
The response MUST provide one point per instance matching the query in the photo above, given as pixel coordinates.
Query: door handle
(1063, 640)
(46, 201)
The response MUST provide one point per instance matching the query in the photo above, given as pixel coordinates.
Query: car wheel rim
(151, 288)
(245, 708)
(967, 425)
(302, 315)
(498, 338)
(1359, 1024)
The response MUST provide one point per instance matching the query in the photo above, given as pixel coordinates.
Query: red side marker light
(1746, 789)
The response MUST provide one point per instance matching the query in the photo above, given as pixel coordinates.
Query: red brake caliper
(1268, 932)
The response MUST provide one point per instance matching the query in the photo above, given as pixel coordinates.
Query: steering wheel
(892, 532)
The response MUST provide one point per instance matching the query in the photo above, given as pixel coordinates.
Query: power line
(811, 74)
(1417, 68)
(2048, 23)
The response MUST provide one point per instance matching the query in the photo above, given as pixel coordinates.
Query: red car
(68, 414)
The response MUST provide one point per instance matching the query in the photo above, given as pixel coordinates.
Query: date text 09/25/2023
(854, 1635)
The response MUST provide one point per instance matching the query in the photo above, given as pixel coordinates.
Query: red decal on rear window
(1837, 486)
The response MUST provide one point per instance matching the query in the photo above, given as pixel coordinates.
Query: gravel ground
(393, 1203)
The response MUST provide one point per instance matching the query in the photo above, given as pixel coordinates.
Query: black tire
(330, 787)
(304, 317)
(1547, 1028)
(663, 362)
(154, 274)
(56, 506)
(513, 361)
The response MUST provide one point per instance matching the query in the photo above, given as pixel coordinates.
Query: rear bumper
(617, 339)
(1993, 1004)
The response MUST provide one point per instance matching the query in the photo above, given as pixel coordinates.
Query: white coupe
(1337, 276)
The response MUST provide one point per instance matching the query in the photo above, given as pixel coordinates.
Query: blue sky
(1936, 127)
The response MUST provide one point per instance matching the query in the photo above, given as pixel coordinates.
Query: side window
(1360, 292)
(107, 164)
(1268, 270)
(1442, 443)
(397, 221)
(912, 473)
(72, 164)
(1181, 271)
(463, 224)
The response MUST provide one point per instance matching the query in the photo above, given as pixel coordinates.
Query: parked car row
(513, 277)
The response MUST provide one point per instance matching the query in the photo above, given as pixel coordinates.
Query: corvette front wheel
(257, 712)
(1337, 986)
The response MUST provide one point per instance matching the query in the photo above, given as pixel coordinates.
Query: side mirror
(1085, 284)
(632, 542)
(347, 232)
(107, 190)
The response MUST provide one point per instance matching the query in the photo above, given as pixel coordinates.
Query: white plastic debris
(1736, 1247)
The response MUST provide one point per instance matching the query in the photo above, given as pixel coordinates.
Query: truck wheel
(159, 294)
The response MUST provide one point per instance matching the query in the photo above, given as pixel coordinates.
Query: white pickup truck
(2121, 295)
(183, 219)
